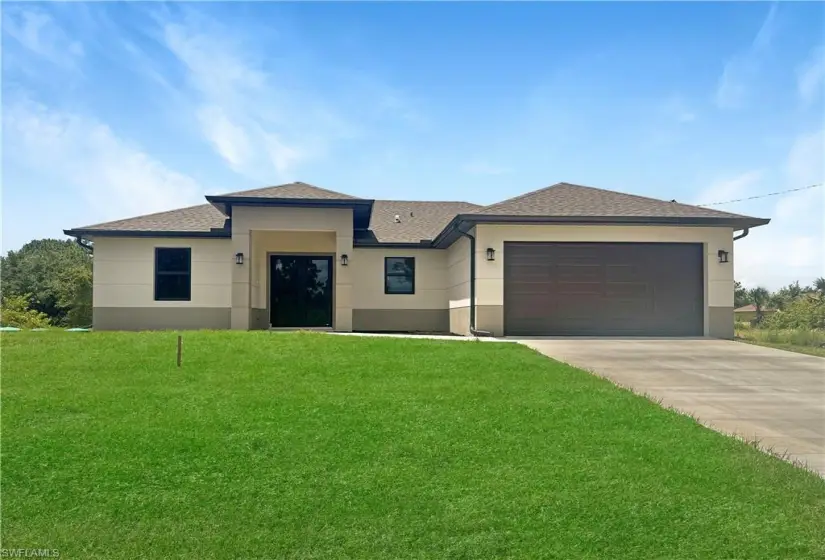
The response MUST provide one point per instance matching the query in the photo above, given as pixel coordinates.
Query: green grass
(804, 341)
(316, 446)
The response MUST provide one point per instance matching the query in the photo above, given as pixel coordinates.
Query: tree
(74, 290)
(15, 312)
(819, 285)
(740, 295)
(41, 270)
(759, 297)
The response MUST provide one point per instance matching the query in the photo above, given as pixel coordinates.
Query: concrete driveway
(773, 396)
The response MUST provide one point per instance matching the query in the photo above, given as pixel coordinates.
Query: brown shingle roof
(201, 218)
(424, 220)
(417, 219)
(294, 190)
(565, 199)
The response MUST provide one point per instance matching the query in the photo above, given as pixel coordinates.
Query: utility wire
(762, 195)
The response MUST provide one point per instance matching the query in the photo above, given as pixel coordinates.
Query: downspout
(744, 233)
(473, 330)
(86, 246)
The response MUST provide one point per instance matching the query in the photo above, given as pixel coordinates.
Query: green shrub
(796, 337)
(15, 312)
(806, 312)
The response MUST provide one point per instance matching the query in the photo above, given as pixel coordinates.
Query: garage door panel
(652, 289)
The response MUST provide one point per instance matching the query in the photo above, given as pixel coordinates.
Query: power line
(762, 195)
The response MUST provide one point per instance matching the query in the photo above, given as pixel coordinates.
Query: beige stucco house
(563, 260)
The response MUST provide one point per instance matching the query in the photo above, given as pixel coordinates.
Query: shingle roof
(417, 219)
(565, 199)
(201, 218)
(423, 220)
(294, 190)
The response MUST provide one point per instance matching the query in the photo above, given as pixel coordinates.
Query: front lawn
(318, 446)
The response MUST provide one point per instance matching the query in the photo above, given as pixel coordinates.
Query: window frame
(158, 273)
(388, 273)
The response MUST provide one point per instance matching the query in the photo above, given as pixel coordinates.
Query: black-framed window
(173, 274)
(399, 275)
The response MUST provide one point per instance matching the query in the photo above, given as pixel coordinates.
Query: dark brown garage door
(603, 289)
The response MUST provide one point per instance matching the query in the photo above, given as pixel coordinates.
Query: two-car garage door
(603, 289)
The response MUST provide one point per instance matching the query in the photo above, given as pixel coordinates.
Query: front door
(300, 291)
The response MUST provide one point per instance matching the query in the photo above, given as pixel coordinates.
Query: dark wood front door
(300, 291)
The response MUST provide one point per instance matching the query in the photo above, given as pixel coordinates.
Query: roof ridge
(286, 185)
(642, 197)
(610, 192)
(523, 195)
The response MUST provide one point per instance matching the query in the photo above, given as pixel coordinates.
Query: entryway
(300, 291)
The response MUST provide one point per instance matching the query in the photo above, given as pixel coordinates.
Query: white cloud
(792, 246)
(735, 83)
(484, 168)
(37, 32)
(811, 76)
(229, 139)
(117, 179)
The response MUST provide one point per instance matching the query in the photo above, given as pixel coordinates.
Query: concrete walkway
(757, 393)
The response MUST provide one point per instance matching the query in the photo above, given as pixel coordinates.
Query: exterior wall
(124, 285)
(458, 286)
(425, 310)
(718, 303)
(257, 230)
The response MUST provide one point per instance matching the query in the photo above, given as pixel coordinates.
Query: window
(173, 274)
(399, 275)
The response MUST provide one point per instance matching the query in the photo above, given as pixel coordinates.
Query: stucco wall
(425, 310)
(458, 286)
(293, 225)
(718, 277)
(124, 284)
(124, 272)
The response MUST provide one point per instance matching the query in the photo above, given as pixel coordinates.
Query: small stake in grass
(179, 349)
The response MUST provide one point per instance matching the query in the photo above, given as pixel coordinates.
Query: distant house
(748, 313)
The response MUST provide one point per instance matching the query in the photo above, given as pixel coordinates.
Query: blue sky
(112, 110)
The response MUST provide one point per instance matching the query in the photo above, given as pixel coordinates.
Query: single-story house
(562, 260)
(748, 313)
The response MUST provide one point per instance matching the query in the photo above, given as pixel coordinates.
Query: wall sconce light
(723, 256)
(491, 254)
(344, 260)
(238, 258)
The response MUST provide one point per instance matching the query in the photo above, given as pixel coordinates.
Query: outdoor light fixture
(491, 254)
(238, 258)
(344, 260)
(723, 256)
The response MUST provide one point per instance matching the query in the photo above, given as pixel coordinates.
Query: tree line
(48, 282)
(794, 306)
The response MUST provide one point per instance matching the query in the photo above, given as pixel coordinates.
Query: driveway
(773, 396)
